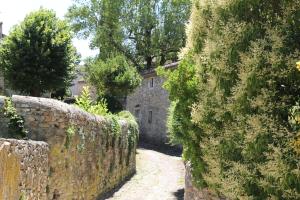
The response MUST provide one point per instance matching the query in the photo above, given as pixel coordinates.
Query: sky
(13, 12)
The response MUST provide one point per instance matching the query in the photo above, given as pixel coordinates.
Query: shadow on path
(179, 194)
(165, 149)
(111, 193)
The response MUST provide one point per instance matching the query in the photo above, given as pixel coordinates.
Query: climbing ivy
(132, 134)
(16, 127)
(70, 133)
(112, 126)
(81, 146)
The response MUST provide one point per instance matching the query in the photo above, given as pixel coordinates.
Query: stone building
(149, 103)
(78, 83)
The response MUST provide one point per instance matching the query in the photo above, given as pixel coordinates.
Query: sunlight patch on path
(159, 177)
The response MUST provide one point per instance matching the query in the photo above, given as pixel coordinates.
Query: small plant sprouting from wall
(70, 133)
(22, 197)
(16, 127)
(81, 146)
(86, 103)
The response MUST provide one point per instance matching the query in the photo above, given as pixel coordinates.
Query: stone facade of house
(149, 103)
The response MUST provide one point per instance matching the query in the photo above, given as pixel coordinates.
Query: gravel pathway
(159, 177)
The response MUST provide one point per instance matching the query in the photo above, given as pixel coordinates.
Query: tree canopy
(145, 32)
(38, 56)
(246, 143)
(116, 76)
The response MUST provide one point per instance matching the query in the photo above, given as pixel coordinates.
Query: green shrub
(85, 102)
(294, 120)
(244, 53)
(133, 131)
(16, 127)
(114, 78)
(112, 127)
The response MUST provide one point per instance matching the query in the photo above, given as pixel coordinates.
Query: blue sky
(13, 12)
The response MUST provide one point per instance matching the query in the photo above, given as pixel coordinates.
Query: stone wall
(23, 170)
(193, 193)
(86, 159)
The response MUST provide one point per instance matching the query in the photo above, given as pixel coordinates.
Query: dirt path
(159, 177)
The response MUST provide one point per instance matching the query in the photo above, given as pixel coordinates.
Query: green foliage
(244, 146)
(16, 123)
(145, 32)
(37, 56)
(85, 102)
(70, 133)
(294, 117)
(133, 131)
(294, 120)
(114, 76)
(182, 85)
(22, 196)
(114, 79)
(112, 127)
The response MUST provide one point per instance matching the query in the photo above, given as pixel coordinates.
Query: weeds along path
(159, 176)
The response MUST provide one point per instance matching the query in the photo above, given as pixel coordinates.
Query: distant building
(149, 104)
(79, 83)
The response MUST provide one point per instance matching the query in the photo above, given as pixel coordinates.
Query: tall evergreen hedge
(244, 53)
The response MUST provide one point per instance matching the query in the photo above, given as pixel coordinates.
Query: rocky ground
(160, 176)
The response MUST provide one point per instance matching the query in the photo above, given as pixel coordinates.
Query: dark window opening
(151, 82)
(150, 117)
(137, 113)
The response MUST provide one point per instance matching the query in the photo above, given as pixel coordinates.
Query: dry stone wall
(86, 158)
(23, 169)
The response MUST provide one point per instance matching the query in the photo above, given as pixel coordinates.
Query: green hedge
(235, 125)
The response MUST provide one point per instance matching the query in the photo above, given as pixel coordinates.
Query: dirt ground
(160, 176)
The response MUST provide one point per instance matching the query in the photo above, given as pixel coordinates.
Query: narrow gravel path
(159, 177)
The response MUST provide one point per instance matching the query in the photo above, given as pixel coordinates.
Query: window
(151, 83)
(137, 113)
(150, 117)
